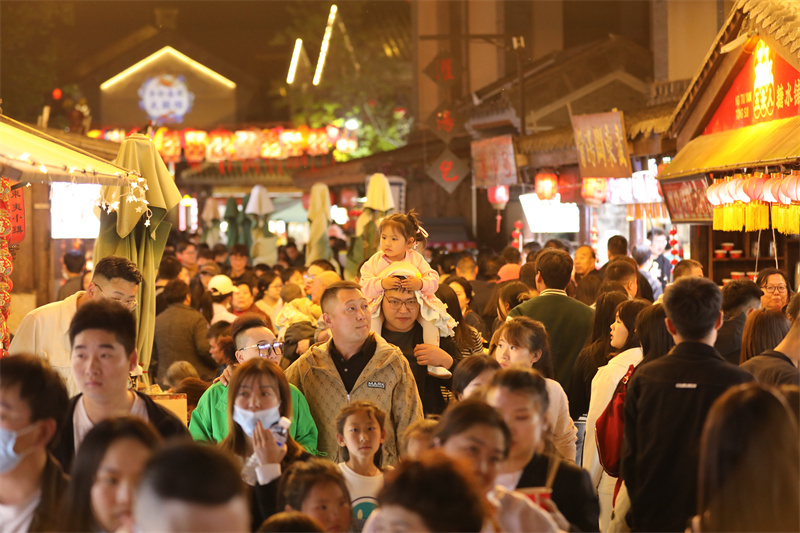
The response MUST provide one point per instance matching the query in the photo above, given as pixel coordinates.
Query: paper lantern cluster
(748, 201)
(6, 265)
(242, 145)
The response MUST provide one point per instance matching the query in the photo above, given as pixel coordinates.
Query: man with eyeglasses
(45, 330)
(400, 310)
(252, 339)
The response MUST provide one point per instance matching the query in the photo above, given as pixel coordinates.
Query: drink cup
(537, 494)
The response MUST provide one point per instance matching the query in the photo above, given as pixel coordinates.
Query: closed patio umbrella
(133, 226)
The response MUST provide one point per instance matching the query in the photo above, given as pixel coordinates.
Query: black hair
(247, 321)
(74, 261)
(263, 283)
(114, 266)
(331, 292)
(409, 225)
(239, 249)
(621, 270)
(653, 333)
(324, 264)
(290, 522)
(461, 333)
(525, 380)
(461, 416)
(628, 311)
(738, 294)
(169, 268)
(641, 253)
(470, 368)
(219, 249)
(106, 315)
(527, 274)
(302, 476)
(175, 292)
(466, 285)
(192, 473)
(511, 255)
(183, 245)
(40, 387)
(588, 289)
(288, 273)
(555, 266)
(617, 245)
(206, 253)
(77, 513)
(684, 268)
(693, 305)
(656, 232)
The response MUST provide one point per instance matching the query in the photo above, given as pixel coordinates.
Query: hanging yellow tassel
(756, 216)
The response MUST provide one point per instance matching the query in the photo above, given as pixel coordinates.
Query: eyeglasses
(266, 349)
(780, 289)
(397, 304)
(130, 304)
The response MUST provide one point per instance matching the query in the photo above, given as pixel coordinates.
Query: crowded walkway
(529, 390)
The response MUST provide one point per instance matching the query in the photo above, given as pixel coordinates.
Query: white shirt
(18, 518)
(83, 424)
(561, 429)
(45, 332)
(363, 493)
(509, 480)
(604, 384)
(221, 313)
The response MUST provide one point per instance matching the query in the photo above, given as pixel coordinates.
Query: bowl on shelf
(727, 246)
(720, 254)
(753, 276)
(726, 281)
(736, 254)
(737, 275)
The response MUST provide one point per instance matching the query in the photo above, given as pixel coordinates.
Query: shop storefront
(735, 176)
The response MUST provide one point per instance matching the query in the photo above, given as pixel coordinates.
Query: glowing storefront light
(323, 51)
(298, 46)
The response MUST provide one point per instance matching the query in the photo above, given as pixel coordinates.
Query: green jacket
(210, 419)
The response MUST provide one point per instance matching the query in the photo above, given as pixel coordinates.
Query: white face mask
(9, 459)
(247, 419)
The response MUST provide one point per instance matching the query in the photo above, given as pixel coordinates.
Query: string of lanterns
(748, 201)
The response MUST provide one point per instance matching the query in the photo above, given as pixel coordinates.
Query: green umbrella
(133, 226)
(366, 240)
(231, 216)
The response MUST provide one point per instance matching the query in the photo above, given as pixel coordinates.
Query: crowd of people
(522, 391)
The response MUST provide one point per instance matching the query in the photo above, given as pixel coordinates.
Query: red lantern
(755, 187)
(546, 186)
(498, 196)
(220, 146)
(594, 189)
(739, 194)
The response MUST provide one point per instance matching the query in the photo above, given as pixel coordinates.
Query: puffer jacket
(386, 381)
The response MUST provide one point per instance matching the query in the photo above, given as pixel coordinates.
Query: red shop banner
(767, 88)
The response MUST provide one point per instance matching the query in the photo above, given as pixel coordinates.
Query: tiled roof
(238, 173)
(779, 19)
(647, 121)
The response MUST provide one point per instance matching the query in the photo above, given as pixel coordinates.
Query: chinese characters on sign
(448, 170)
(166, 98)
(445, 122)
(15, 210)
(602, 145)
(686, 200)
(767, 88)
(493, 161)
(442, 69)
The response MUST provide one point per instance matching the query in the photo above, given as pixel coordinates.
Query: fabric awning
(768, 143)
(28, 155)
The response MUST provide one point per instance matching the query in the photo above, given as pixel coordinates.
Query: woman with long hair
(632, 317)
(594, 354)
(524, 343)
(105, 474)
(465, 293)
(764, 329)
(259, 413)
(467, 338)
(749, 464)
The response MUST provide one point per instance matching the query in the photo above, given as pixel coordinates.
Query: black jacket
(773, 368)
(264, 498)
(573, 493)
(165, 423)
(665, 408)
(729, 338)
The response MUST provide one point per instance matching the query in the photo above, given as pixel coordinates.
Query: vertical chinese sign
(448, 170)
(12, 231)
(493, 161)
(602, 145)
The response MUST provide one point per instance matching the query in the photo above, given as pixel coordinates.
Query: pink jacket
(371, 283)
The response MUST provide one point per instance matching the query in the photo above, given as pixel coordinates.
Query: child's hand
(412, 284)
(266, 449)
(428, 354)
(390, 282)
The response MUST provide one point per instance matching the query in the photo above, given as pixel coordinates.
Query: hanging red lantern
(546, 186)
(498, 197)
(594, 189)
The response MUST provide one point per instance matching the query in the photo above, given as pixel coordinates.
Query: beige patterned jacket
(386, 381)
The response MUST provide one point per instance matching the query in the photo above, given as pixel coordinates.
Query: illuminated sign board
(166, 98)
(767, 88)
